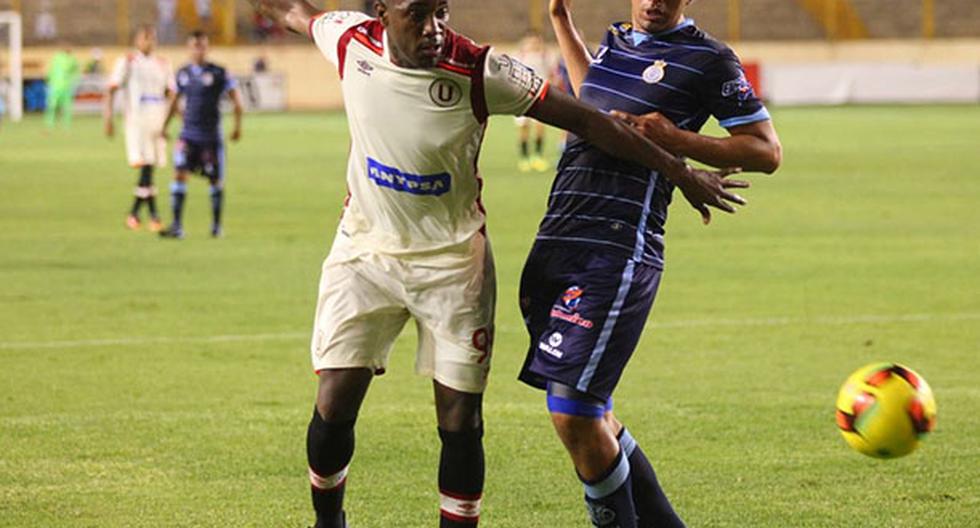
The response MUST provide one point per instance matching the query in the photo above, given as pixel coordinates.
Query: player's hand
(710, 188)
(236, 135)
(559, 7)
(655, 126)
(110, 128)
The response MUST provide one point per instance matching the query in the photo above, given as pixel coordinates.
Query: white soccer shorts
(144, 144)
(366, 298)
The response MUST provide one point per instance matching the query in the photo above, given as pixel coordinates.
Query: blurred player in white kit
(146, 81)
(534, 53)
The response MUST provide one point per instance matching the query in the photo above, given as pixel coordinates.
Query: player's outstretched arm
(107, 110)
(703, 189)
(293, 15)
(172, 107)
(754, 146)
(573, 49)
(239, 108)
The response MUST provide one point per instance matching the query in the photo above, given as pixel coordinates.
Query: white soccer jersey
(144, 79)
(416, 133)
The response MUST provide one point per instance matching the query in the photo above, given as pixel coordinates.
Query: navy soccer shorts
(585, 309)
(206, 158)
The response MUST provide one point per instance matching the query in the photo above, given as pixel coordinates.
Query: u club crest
(445, 93)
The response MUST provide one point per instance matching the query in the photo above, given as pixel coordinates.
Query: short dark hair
(197, 34)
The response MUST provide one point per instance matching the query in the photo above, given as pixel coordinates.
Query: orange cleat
(156, 225)
(133, 223)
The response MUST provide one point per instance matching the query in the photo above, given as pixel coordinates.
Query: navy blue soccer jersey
(682, 73)
(202, 87)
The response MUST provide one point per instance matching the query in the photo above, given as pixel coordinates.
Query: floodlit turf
(149, 383)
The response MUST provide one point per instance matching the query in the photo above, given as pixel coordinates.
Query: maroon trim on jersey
(370, 33)
(309, 27)
(540, 97)
(479, 179)
(478, 94)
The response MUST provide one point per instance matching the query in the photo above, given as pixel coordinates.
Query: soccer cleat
(156, 225)
(539, 164)
(133, 223)
(216, 231)
(524, 165)
(174, 231)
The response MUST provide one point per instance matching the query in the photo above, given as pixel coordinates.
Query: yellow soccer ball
(884, 410)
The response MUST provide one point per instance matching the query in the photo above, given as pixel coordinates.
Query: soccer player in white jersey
(412, 243)
(146, 81)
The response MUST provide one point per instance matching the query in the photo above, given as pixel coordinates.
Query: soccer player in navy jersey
(201, 148)
(591, 277)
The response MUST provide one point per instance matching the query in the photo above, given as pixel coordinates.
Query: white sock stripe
(330, 482)
(627, 442)
(469, 509)
(611, 483)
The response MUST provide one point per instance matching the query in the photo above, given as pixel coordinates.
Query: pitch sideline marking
(690, 323)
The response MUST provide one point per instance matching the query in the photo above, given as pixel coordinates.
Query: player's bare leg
(461, 463)
(600, 462)
(178, 195)
(330, 440)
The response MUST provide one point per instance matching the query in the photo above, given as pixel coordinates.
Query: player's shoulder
(216, 69)
(339, 22)
(462, 54)
(700, 40)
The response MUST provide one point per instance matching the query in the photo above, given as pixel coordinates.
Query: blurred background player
(63, 76)
(534, 54)
(200, 148)
(591, 278)
(147, 81)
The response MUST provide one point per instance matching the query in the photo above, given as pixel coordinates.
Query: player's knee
(579, 418)
(458, 411)
(329, 447)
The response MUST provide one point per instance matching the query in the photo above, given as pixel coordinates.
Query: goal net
(11, 67)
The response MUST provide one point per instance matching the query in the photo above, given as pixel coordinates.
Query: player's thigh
(595, 322)
(186, 156)
(356, 320)
(455, 316)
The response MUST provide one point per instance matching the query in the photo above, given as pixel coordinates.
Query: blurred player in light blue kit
(200, 148)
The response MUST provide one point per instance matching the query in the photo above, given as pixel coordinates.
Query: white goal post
(15, 98)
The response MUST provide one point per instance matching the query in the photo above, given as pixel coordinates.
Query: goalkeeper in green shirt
(63, 73)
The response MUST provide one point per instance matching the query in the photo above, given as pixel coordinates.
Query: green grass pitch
(146, 383)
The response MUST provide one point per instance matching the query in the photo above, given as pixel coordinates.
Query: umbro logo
(364, 67)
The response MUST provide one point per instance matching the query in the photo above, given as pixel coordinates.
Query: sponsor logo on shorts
(421, 185)
(567, 309)
(551, 347)
(573, 318)
(572, 297)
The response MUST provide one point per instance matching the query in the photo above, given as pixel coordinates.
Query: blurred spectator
(94, 64)
(264, 29)
(45, 25)
(167, 21)
(204, 12)
(261, 64)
